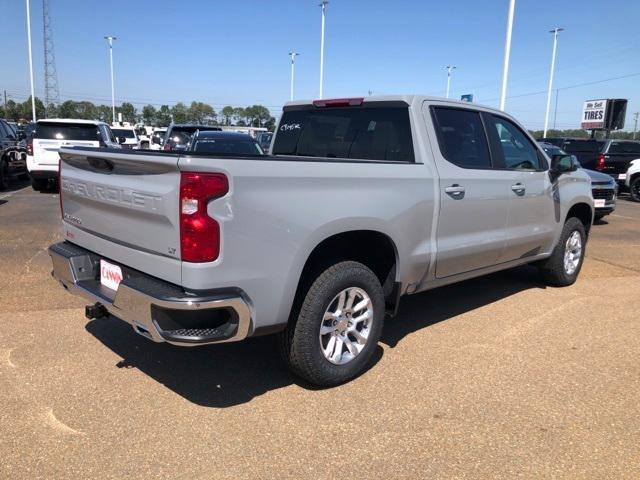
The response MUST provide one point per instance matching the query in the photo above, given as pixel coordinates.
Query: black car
(586, 150)
(13, 158)
(179, 136)
(615, 157)
(603, 187)
(224, 143)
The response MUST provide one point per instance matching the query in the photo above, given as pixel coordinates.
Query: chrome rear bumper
(156, 309)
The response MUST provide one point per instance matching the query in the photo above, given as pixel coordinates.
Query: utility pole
(635, 120)
(449, 68)
(555, 32)
(507, 53)
(555, 111)
(370, 92)
(5, 103)
(293, 56)
(51, 92)
(323, 6)
(110, 39)
(33, 95)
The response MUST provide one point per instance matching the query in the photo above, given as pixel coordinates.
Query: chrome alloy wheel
(572, 253)
(346, 325)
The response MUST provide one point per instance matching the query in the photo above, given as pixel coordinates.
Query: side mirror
(121, 140)
(562, 164)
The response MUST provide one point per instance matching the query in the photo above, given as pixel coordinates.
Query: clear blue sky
(231, 52)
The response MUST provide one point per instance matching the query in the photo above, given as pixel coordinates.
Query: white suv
(131, 140)
(51, 134)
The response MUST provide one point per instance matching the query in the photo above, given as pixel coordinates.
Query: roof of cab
(71, 120)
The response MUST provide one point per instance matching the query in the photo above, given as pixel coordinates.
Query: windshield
(368, 133)
(123, 132)
(66, 131)
(223, 146)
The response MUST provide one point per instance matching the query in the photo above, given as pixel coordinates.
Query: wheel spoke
(362, 317)
(353, 349)
(352, 297)
(341, 301)
(362, 304)
(337, 353)
(329, 316)
(359, 337)
(326, 329)
(331, 345)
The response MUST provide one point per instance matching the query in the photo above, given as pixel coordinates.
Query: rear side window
(66, 131)
(226, 147)
(624, 147)
(123, 132)
(581, 146)
(461, 137)
(366, 133)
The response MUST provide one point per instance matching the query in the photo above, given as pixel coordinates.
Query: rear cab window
(66, 131)
(624, 147)
(365, 132)
(581, 146)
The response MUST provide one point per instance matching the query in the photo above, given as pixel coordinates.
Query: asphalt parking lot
(498, 377)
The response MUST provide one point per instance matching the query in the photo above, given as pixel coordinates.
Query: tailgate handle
(100, 164)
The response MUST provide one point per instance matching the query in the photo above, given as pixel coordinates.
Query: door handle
(518, 188)
(455, 191)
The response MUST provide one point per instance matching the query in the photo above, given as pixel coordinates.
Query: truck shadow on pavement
(230, 374)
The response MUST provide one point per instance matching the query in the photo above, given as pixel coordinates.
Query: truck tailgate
(123, 206)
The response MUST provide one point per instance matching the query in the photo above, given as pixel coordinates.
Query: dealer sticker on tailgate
(110, 275)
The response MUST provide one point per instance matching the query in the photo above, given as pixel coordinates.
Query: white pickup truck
(361, 201)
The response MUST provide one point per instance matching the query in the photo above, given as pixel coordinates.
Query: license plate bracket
(110, 275)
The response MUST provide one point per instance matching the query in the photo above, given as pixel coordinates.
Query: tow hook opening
(95, 311)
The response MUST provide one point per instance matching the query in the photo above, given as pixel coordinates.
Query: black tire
(634, 188)
(300, 343)
(4, 174)
(38, 185)
(24, 176)
(553, 270)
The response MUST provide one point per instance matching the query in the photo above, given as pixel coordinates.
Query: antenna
(51, 92)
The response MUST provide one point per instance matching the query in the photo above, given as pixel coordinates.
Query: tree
(26, 110)
(227, 113)
(163, 116)
(149, 114)
(128, 112)
(259, 114)
(13, 111)
(239, 115)
(201, 112)
(104, 113)
(180, 113)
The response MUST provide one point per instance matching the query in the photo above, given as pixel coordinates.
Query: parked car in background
(632, 180)
(178, 136)
(51, 134)
(131, 140)
(12, 155)
(586, 150)
(156, 139)
(615, 157)
(603, 188)
(360, 202)
(264, 139)
(223, 143)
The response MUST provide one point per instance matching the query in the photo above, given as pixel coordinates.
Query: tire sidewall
(572, 225)
(4, 174)
(634, 189)
(310, 319)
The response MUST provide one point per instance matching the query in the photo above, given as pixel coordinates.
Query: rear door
(50, 136)
(530, 222)
(474, 197)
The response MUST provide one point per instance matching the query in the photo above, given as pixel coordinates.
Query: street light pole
(110, 39)
(507, 53)
(449, 68)
(553, 65)
(33, 97)
(635, 124)
(323, 6)
(293, 56)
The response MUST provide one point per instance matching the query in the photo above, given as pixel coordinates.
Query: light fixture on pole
(555, 32)
(110, 39)
(507, 53)
(33, 97)
(293, 56)
(323, 6)
(449, 68)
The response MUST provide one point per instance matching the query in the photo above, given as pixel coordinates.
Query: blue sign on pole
(467, 98)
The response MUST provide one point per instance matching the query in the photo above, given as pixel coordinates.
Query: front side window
(366, 133)
(518, 151)
(461, 137)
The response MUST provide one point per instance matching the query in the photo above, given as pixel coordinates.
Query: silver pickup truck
(361, 201)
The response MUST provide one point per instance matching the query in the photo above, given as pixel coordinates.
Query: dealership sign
(594, 114)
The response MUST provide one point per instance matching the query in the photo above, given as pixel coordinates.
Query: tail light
(600, 162)
(339, 102)
(166, 147)
(60, 185)
(199, 233)
(30, 146)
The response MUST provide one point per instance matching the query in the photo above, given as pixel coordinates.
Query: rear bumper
(156, 309)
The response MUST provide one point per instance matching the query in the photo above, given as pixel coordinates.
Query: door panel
(474, 198)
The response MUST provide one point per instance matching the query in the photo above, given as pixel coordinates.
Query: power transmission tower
(51, 92)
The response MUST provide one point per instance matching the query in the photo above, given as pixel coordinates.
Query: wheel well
(582, 212)
(373, 249)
